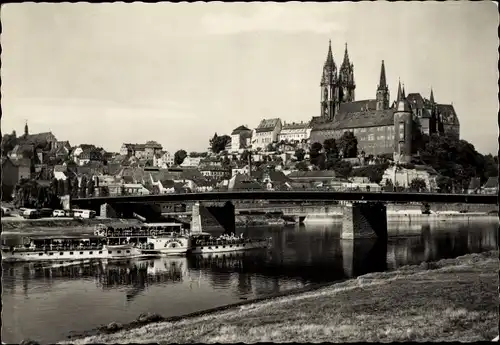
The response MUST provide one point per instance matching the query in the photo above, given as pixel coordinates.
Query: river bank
(16, 224)
(449, 300)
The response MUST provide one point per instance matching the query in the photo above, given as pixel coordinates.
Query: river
(45, 302)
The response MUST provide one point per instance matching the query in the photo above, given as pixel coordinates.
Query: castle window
(402, 131)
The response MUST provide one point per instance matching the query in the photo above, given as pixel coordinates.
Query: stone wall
(364, 220)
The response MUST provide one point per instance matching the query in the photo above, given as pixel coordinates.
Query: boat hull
(228, 247)
(109, 253)
(167, 246)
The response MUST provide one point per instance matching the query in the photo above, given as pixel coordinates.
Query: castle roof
(239, 129)
(267, 125)
(448, 114)
(358, 106)
(293, 125)
(370, 118)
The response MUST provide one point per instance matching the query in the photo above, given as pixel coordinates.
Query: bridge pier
(364, 220)
(363, 256)
(107, 211)
(213, 215)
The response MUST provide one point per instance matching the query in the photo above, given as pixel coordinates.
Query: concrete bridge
(364, 213)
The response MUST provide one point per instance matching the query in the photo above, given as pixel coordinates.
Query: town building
(14, 171)
(215, 172)
(240, 138)
(295, 132)
(491, 186)
(373, 121)
(191, 162)
(266, 133)
(163, 159)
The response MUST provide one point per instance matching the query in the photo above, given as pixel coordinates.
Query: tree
(332, 153)
(302, 166)
(244, 156)
(219, 143)
(91, 187)
(343, 168)
(9, 141)
(300, 154)
(54, 187)
(348, 145)
(226, 162)
(444, 183)
(83, 188)
(418, 185)
(60, 188)
(317, 158)
(179, 157)
(155, 189)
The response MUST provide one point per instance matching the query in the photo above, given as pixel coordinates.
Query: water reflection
(299, 256)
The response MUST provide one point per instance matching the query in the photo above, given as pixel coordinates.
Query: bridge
(364, 214)
(296, 195)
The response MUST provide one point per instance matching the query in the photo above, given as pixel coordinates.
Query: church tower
(382, 91)
(403, 122)
(26, 129)
(329, 90)
(433, 124)
(346, 79)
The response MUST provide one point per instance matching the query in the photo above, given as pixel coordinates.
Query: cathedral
(379, 126)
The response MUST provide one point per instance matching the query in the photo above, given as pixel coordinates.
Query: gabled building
(491, 186)
(295, 132)
(240, 139)
(266, 133)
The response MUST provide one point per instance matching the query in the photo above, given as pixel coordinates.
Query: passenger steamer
(204, 243)
(107, 243)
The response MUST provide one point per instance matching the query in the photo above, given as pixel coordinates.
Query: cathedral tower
(346, 79)
(403, 122)
(382, 91)
(26, 132)
(329, 90)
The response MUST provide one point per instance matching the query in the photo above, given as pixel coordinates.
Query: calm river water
(46, 302)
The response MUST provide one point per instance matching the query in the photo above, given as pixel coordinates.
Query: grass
(451, 300)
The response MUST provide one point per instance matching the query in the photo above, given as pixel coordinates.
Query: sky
(177, 72)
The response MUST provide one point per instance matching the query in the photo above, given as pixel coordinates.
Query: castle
(379, 126)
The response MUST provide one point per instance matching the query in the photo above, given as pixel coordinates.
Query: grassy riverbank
(450, 300)
(18, 224)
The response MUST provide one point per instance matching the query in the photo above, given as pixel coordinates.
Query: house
(273, 180)
(474, 186)
(243, 171)
(12, 173)
(135, 189)
(191, 162)
(61, 172)
(41, 138)
(151, 148)
(240, 139)
(311, 179)
(266, 133)
(22, 151)
(166, 186)
(77, 151)
(402, 177)
(295, 132)
(88, 155)
(215, 172)
(163, 160)
(491, 186)
(127, 149)
(61, 149)
(243, 182)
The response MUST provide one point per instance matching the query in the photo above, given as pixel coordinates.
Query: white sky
(177, 73)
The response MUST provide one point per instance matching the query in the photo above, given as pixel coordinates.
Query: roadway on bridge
(298, 195)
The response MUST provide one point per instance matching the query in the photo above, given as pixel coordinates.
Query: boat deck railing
(93, 246)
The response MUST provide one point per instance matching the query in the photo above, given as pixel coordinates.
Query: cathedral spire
(26, 128)
(329, 57)
(403, 93)
(400, 92)
(382, 83)
(346, 57)
(431, 98)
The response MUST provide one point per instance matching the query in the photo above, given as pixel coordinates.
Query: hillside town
(411, 144)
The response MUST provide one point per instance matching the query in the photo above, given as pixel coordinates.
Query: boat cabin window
(100, 252)
(70, 253)
(119, 252)
(110, 252)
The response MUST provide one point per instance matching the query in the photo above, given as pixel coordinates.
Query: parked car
(6, 211)
(31, 214)
(59, 213)
(45, 212)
